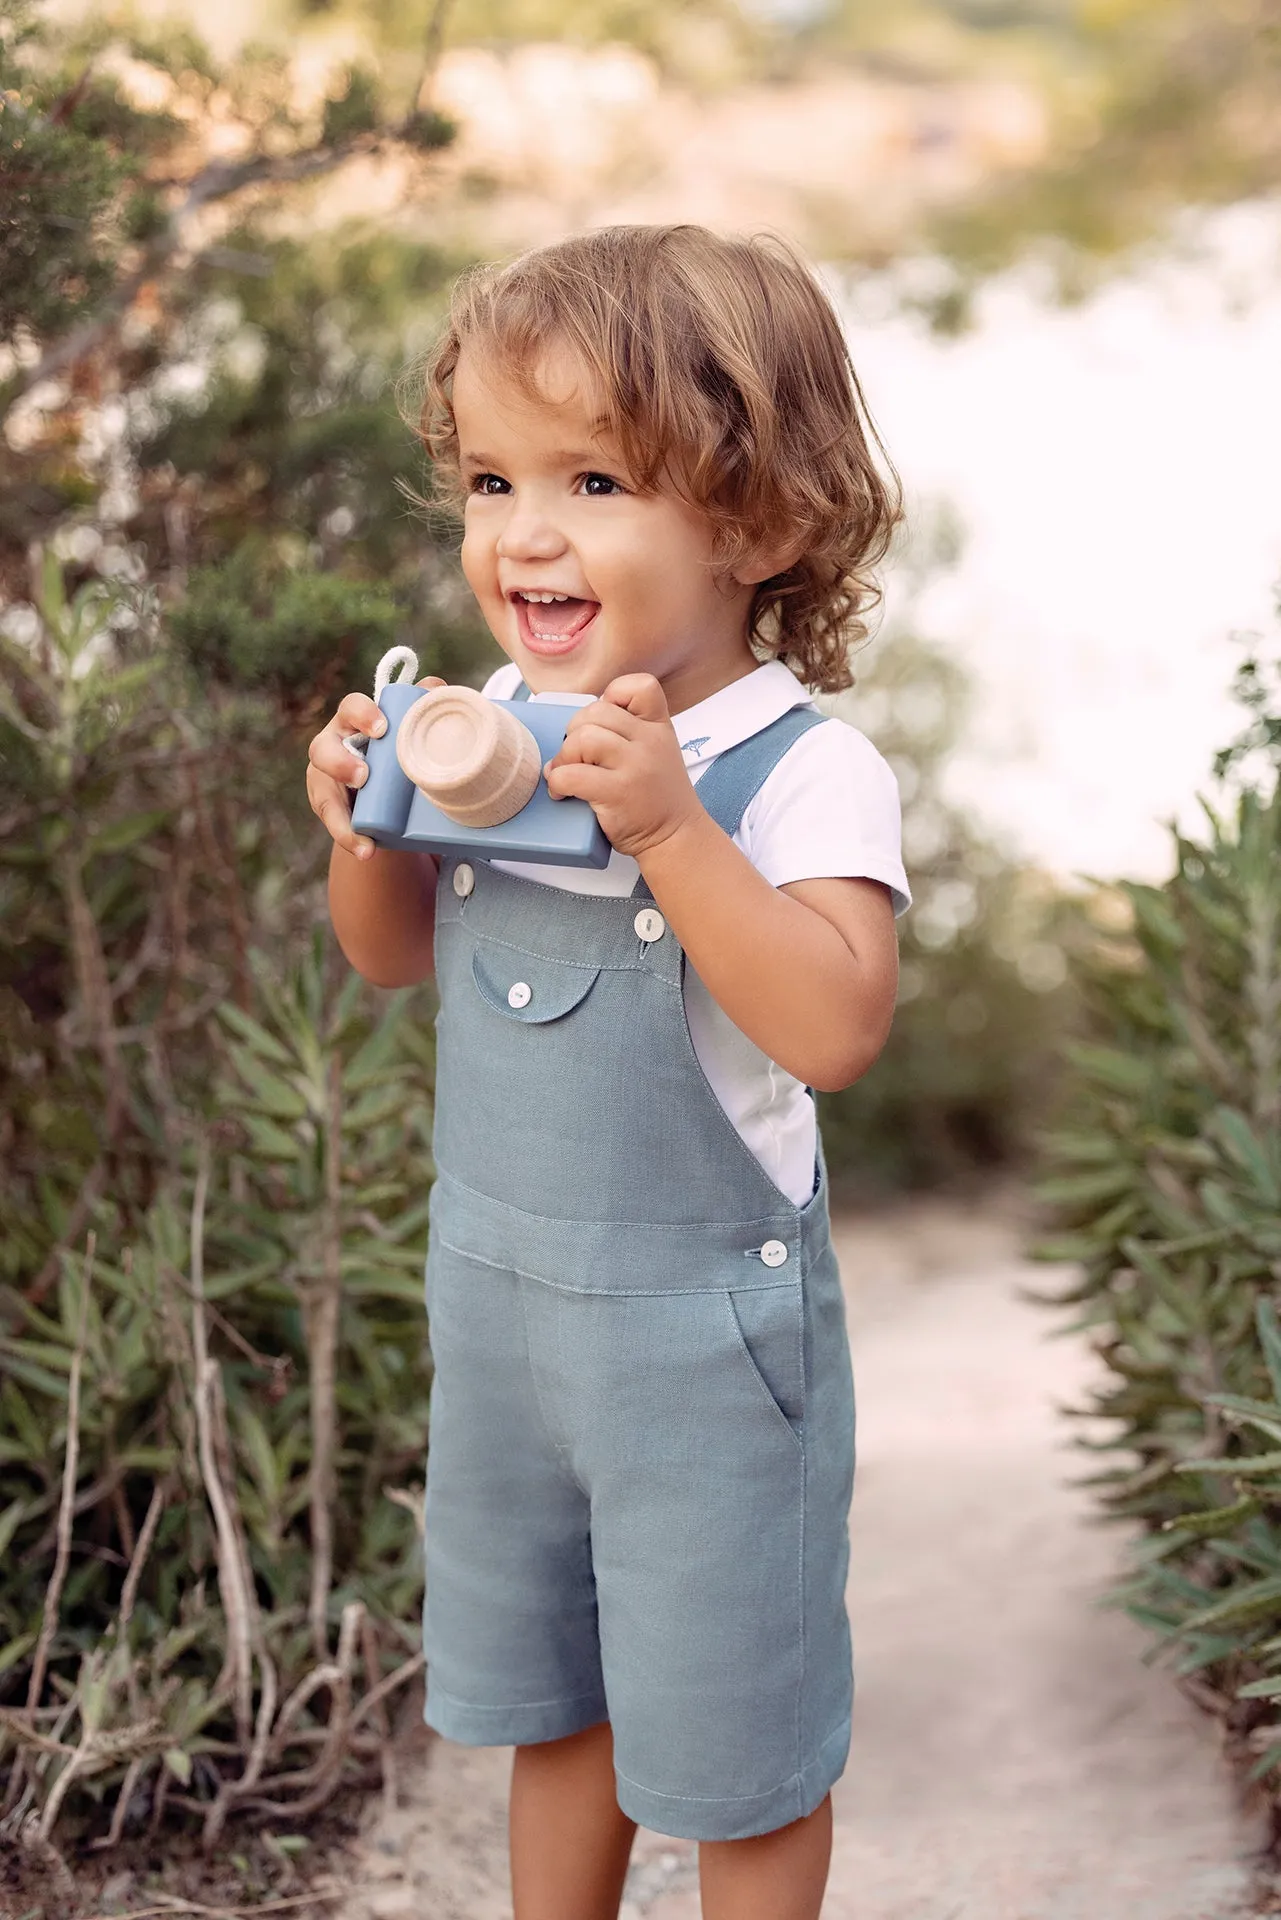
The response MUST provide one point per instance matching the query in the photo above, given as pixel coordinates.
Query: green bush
(1163, 1182)
(214, 1167)
(254, 626)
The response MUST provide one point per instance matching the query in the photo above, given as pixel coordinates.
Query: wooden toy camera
(456, 773)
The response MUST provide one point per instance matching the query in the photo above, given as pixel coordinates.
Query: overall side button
(774, 1253)
(464, 880)
(649, 925)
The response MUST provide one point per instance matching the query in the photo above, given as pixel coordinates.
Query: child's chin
(568, 672)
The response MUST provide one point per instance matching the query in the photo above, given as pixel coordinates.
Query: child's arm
(810, 971)
(382, 903)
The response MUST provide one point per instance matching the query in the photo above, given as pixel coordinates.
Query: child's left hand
(621, 756)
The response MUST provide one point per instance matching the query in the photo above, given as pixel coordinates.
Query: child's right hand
(334, 771)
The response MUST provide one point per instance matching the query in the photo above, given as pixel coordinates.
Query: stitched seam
(596, 1293)
(762, 1384)
(515, 1706)
(501, 1004)
(802, 1677)
(709, 1799)
(560, 893)
(558, 959)
(661, 1226)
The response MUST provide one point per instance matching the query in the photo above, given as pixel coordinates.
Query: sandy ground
(1014, 1758)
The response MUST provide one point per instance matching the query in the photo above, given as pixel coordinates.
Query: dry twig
(323, 1300)
(70, 1465)
(234, 1582)
(222, 1913)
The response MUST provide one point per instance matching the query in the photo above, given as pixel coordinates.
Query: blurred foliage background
(214, 1145)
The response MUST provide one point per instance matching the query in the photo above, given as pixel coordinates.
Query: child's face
(551, 510)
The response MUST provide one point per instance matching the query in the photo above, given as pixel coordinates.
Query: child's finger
(330, 806)
(594, 744)
(357, 713)
(605, 713)
(616, 720)
(582, 781)
(331, 757)
(638, 693)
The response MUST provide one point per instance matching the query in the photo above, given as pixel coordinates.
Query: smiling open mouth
(552, 623)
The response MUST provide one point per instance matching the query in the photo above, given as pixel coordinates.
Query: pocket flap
(528, 988)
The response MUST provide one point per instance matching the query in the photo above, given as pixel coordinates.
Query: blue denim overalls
(642, 1422)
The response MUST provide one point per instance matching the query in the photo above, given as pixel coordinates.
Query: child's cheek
(480, 571)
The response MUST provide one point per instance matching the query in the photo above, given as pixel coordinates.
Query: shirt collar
(737, 712)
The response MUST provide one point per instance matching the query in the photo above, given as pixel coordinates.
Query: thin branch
(327, 1767)
(70, 1465)
(278, 1364)
(324, 1301)
(129, 1592)
(218, 181)
(413, 1665)
(433, 46)
(120, 1811)
(233, 1580)
(223, 1913)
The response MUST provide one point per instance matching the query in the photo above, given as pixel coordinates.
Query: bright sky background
(1117, 468)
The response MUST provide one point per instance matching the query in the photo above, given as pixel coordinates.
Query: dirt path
(1013, 1758)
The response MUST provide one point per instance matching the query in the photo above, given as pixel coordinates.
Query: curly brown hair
(724, 373)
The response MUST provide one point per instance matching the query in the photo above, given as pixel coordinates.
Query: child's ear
(763, 562)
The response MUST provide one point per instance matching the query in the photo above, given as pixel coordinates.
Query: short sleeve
(502, 682)
(829, 810)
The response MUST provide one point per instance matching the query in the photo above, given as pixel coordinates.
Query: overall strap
(522, 692)
(736, 776)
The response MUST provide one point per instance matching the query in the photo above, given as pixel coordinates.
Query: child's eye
(599, 485)
(490, 483)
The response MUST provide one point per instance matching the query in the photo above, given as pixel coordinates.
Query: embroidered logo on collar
(692, 746)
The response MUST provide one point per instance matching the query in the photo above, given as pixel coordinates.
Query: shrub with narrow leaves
(214, 1165)
(1164, 1182)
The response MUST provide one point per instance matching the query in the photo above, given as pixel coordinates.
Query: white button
(774, 1253)
(464, 880)
(520, 996)
(649, 924)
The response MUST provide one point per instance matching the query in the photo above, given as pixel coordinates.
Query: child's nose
(530, 533)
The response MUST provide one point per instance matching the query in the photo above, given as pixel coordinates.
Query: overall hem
(739, 1817)
(526, 1724)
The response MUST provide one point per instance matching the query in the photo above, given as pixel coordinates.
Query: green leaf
(1109, 1067)
(1085, 1189)
(17, 1650)
(1202, 1526)
(10, 1520)
(271, 1141)
(275, 1096)
(1246, 1413)
(1258, 1601)
(1268, 1688)
(1247, 1464)
(1247, 1152)
(257, 1035)
(179, 1764)
(1270, 1341)
(124, 833)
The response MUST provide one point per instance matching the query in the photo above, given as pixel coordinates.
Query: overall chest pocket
(528, 987)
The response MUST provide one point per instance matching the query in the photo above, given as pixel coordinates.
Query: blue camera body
(392, 812)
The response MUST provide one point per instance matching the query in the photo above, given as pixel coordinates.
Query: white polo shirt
(829, 810)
